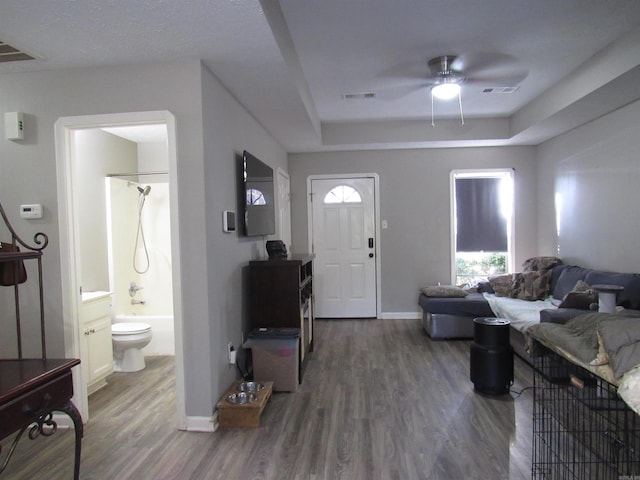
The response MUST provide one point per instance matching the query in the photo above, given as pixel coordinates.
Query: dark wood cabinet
(281, 296)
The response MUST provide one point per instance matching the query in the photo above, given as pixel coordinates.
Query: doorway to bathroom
(118, 196)
(139, 253)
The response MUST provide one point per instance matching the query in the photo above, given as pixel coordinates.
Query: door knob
(371, 255)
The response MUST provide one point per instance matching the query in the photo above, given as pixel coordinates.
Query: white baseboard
(400, 316)
(202, 424)
(194, 424)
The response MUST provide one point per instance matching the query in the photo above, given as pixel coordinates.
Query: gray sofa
(447, 317)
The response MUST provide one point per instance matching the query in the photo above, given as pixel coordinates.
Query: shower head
(144, 191)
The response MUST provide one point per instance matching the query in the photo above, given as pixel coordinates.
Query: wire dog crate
(581, 428)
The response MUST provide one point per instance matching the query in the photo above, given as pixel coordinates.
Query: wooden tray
(247, 415)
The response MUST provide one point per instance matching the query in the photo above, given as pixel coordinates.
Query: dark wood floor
(379, 400)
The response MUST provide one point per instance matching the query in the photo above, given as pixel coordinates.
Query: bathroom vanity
(96, 346)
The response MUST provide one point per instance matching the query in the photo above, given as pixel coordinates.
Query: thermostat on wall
(228, 221)
(31, 211)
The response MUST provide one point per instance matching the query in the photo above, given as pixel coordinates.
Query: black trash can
(491, 362)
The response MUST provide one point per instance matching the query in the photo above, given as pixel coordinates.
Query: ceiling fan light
(445, 91)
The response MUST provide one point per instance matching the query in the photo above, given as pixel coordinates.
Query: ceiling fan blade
(512, 80)
(396, 92)
(473, 63)
(408, 71)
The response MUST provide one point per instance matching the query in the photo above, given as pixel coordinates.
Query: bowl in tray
(242, 398)
(250, 386)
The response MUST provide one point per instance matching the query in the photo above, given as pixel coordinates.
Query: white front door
(343, 239)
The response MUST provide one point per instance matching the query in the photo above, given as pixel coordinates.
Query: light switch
(228, 221)
(385, 225)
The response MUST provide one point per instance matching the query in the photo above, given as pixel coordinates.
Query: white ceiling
(289, 62)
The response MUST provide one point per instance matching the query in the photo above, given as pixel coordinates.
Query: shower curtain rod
(136, 173)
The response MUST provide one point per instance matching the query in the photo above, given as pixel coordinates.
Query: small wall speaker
(228, 221)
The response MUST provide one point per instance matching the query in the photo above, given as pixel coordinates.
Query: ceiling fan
(450, 72)
(481, 68)
(446, 76)
(445, 81)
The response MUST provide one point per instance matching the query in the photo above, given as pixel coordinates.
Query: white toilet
(128, 341)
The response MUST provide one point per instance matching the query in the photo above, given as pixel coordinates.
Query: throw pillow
(444, 291)
(536, 264)
(533, 285)
(485, 287)
(579, 300)
(582, 287)
(501, 284)
(581, 297)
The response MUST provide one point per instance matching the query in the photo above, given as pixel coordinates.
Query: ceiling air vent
(500, 89)
(358, 96)
(12, 54)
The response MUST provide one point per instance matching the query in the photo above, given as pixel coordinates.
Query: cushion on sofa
(444, 291)
(567, 279)
(581, 297)
(533, 285)
(555, 274)
(559, 315)
(579, 300)
(628, 298)
(473, 305)
(483, 287)
(502, 285)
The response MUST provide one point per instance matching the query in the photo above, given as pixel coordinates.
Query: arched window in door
(343, 194)
(255, 197)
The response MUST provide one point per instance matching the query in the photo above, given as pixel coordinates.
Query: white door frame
(286, 234)
(69, 244)
(376, 214)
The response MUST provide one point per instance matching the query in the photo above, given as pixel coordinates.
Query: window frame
(481, 173)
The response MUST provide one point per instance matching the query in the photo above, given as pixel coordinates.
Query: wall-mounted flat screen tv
(259, 208)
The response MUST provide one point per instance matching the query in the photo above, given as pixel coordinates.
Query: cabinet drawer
(15, 414)
(96, 309)
(97, 325)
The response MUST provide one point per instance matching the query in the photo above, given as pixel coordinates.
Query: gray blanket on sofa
(619, 334)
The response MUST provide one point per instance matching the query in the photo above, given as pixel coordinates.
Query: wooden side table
(30, 391)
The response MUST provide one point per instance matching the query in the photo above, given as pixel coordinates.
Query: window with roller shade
(482, 209)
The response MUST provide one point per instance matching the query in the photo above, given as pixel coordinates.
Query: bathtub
(163, 339)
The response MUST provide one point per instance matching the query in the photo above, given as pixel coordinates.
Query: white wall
(595, 169)
(415, 201)
(96, 153)
(155, 281)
